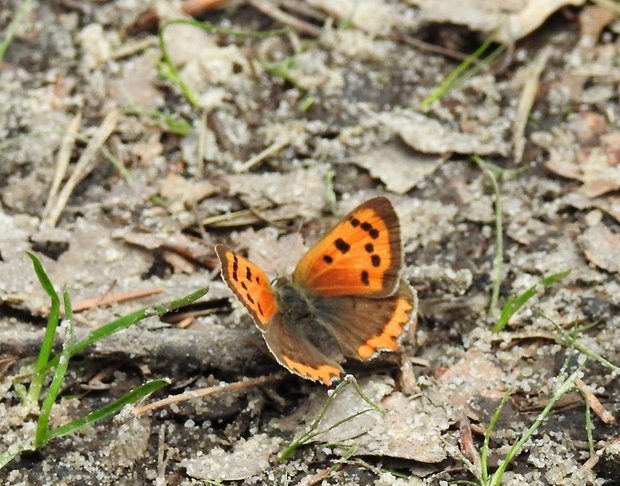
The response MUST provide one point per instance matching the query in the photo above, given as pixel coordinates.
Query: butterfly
(344, 299)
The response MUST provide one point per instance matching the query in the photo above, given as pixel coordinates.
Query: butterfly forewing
(361, 255)
(249, 283)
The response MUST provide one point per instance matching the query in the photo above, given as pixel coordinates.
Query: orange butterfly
(345, 297)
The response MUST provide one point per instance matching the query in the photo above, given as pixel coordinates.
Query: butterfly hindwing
(365, 325)
(250, 285)
(297, 354)
(361, 255)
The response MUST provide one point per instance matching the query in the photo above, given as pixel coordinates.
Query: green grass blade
(128, 320)
(589, 426)
(109, 409)
(42, 434)
(498, 261)
(14, 450)
(570, 341)
(513, 304)
(562, 390)
(450, 81)
(7, 457)
(12, 28)
(39, 374)
(484, 453)
(117, 164)
(174, 124)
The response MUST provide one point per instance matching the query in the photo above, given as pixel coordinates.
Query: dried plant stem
(270, 10)
(114, 298)
(62, 162)
(84, 165)
(204, 392)
(273, 149)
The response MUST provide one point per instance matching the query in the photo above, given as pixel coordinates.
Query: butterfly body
(294, 302)
(345, 298)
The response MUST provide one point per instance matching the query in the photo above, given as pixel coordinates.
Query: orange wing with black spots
(361, 255)
(250, 285)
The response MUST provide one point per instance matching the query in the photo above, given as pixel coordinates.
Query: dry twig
(270, 10)
(204, 392)
(115, 298)
(595, 404)
(62, 163)
(84, 165)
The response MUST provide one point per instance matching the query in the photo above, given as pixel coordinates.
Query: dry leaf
(411, 429)
(399, 168)
(249, 457)
(431, 136)
(602, 247)
(513, 19)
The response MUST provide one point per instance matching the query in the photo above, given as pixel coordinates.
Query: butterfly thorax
(293, 302)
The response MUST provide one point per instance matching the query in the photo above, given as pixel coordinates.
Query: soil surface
(122, 165)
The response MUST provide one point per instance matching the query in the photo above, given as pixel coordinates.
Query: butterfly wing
(364, 326)
(250, 284)
(293, 351)
(361, 255)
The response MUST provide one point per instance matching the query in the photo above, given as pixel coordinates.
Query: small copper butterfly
(345, 298)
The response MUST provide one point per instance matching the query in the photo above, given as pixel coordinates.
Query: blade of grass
(176, 125)
(349, 451)
(128, 320)
(13, 26)
(42, 434)
(170, 71)
(589, 427)
(565, 387)
(39, 374)
(15, 450)
(498, 260)
(484, 453)
(452, 79)
(571, 341)
(513, 304)
(109, 409)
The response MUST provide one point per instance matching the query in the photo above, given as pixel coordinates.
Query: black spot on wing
(235, 268)
(342, 245)
(365, 280)
(376, 260)
(369, 247)
(327, 259)
(355, 222)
